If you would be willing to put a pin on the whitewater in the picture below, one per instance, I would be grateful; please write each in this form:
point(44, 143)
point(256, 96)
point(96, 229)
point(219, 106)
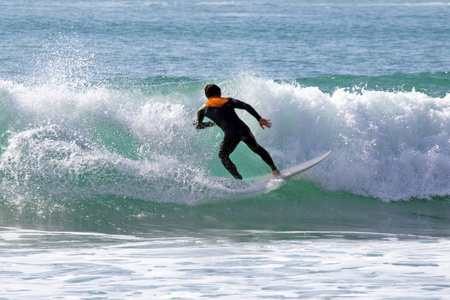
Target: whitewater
point(386, 145)
point(108, 192)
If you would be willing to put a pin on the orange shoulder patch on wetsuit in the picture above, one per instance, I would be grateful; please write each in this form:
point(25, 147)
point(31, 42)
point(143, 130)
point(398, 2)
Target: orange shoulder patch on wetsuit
point(216, 102)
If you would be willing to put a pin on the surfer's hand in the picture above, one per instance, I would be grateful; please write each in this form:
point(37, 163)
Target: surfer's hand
point(265, 122)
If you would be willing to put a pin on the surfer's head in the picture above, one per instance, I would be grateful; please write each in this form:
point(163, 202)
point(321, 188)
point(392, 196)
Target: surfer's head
point(212, 90)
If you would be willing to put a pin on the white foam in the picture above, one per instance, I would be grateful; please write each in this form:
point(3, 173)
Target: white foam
point(256, 264)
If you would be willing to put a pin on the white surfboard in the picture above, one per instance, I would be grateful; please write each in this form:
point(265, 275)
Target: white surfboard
point(289, 172)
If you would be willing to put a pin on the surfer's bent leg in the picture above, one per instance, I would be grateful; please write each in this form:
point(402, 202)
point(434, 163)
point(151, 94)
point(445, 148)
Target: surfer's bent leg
point(250, 140)
point(227, 146)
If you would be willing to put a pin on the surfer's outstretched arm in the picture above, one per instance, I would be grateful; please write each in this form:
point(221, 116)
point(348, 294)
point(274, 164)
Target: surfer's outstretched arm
point(199, 124)
point(242, 105)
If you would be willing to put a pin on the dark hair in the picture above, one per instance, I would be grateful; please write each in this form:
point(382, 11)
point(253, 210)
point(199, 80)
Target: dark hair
point(212, 90)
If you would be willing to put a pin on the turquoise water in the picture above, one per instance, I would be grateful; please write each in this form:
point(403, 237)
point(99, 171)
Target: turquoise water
point(107, 191)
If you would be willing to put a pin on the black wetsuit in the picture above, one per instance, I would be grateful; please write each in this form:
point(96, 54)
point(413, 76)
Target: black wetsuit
point(235, 131)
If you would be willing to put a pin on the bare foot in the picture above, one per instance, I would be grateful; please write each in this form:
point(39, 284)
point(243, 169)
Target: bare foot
point(276, 172)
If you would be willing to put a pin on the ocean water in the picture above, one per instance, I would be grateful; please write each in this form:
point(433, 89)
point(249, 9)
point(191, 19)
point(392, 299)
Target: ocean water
point(108, 192)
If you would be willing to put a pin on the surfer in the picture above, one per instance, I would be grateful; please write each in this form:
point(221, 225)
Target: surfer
point(221, 112)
